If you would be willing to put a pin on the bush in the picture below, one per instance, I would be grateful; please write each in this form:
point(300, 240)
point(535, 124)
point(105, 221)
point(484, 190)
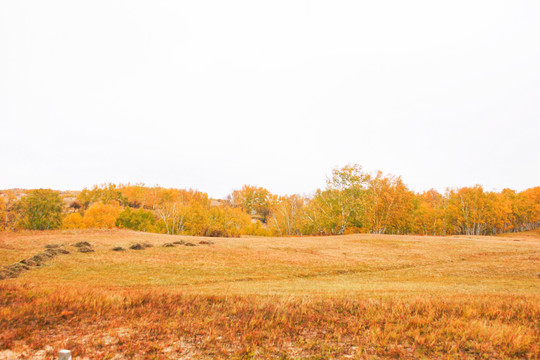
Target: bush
point(139, 220)
point(100, 216)
point(73, 221)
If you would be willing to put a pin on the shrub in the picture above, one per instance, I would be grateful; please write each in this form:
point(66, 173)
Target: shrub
point(139, 220)
point(100, 216)
point(73, 221)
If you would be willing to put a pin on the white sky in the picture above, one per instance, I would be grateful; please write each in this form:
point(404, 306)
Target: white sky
point(216, 94)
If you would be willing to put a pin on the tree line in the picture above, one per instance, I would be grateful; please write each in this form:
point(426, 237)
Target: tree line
point(353, 201)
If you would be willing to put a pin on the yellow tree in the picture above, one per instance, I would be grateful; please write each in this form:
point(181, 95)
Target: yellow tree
point(286, 214)
point(136, 196)
point(253, 200)
point(344, 203)
point(197, 218)
point(106, 193)
point(73, 221)
point(429, 214)
point(12, 213)
point(323, 214)
point(468, 210)
point(173, 207)
point(3, 212)
point(390, 205)
point(101, 216)
point(225, 221)
point(498, 213)
point(525, 209)
point(171, 210)
point(533, 200)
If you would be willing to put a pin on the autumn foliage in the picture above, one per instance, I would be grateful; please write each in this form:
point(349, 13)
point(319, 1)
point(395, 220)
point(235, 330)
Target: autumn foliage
point(353, 201)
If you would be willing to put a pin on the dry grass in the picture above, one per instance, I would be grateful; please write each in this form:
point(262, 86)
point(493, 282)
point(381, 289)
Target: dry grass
point(357, 296)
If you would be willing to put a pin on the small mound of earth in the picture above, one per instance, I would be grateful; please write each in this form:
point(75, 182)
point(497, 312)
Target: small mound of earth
point(17, 268)
point(136, 247)
point(50, 253)
point(168, 245)
point(86, 249)
point(179, 242)
point(189, 244)
point(118, 248)
point(38, 259)
point(206, 242)
point(14, 270)
point(30, 262)
point(146, 245)
point(82, 243)
point(52, 246)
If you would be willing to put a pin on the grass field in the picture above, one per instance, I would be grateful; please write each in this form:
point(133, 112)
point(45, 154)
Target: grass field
point(354, 296)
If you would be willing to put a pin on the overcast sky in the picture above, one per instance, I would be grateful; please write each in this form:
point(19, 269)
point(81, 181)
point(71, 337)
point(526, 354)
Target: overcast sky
point(216, 94)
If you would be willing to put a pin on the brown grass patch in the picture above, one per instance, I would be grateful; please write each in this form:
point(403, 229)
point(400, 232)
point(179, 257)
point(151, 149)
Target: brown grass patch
point(358, 296)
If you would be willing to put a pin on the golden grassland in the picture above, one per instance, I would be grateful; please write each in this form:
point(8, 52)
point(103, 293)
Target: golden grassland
point(353, 296)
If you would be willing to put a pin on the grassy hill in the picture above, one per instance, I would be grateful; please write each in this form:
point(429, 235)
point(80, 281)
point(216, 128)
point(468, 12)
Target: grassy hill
point(359, 296)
